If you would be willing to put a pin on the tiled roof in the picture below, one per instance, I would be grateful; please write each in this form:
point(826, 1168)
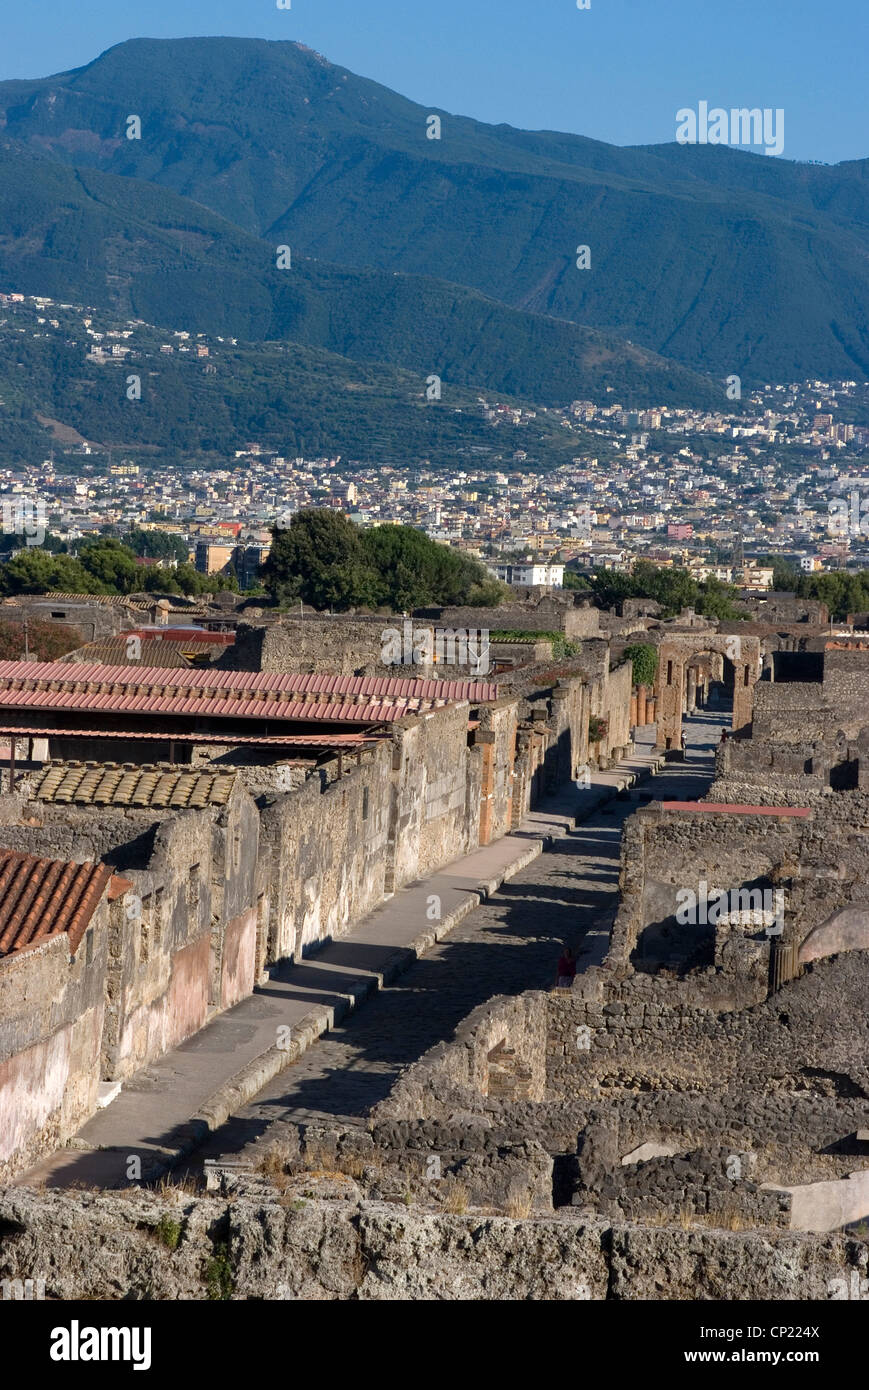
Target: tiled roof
point(236, 694)
point(115, 784)
point(113, 651)
point(182, 634)
point(40, 898)
point(107, 600)
point(284, 685)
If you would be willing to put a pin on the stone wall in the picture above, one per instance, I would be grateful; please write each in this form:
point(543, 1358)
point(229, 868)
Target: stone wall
point(160, 973)
point(677, 653)
point(547, 614)
point(378, 1251)
point(345, 646)
point(662, 855)
point(497, 741)
point(358, 645)
point(505, 1037)
point(846, 682)
point(89, 621)
point(333, 850)
point(216, 895)
point(774, 607)
point(808, 1024)
point(435, 815)
point(784, 711)
point(187, 938)
point(325, 855)
point(51, 1024)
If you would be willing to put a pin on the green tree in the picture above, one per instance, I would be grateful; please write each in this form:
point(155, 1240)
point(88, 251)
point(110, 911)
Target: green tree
point(843, 592)
point(611, 587)
point(719, 600)
point(36, 572)
point(158, 545)
point(412, 570)
point(319, 559)
point(112, 564)
point(673, 589)
point(577, 582)
point(158, 580)
point(785, 578)
point(488, 593)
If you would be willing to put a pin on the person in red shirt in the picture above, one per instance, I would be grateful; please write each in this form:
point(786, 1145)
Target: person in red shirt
point(566, 969)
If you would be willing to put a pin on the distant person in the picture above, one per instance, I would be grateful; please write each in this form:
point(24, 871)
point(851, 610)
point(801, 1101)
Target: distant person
point(566, 969)
point(684, 742)
point(723, 735)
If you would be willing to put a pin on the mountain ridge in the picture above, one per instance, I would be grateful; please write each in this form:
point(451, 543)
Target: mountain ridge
point(765, 262)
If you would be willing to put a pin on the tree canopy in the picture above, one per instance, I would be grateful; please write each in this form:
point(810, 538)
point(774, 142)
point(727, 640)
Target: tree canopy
point(104, 565)
point(323, 559)
point(673, 589)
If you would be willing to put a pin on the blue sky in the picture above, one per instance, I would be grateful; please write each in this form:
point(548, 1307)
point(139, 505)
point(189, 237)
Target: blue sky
point(618, 71)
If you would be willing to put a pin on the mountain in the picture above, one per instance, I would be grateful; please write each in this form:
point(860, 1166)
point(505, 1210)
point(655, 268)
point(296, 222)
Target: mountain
point(123, 244)
point(721, 259)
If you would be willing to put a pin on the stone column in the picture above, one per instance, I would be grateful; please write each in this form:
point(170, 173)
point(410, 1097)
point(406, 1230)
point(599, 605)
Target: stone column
point(691, 698)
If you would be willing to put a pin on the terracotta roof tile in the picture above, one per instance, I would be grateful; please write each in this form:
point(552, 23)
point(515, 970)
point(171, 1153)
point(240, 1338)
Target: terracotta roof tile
point(106, 600)
point(206, 692)
point(84, 784)
point(41, 898)
point(113, 651)
point(280, 684)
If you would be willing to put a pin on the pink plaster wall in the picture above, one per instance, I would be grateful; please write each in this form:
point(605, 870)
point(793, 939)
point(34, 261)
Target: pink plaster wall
point(238, 972)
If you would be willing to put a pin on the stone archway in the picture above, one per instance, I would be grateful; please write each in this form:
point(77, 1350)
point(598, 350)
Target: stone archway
point(677, 656)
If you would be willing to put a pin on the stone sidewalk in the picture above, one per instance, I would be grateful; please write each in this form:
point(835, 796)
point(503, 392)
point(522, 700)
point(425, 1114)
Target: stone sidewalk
point(169, 1108)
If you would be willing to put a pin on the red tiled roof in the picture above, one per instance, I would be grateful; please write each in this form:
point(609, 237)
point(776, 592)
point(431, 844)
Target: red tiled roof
point(233, 694)
point(40, 898)
point(280, 683)
point(82, 700)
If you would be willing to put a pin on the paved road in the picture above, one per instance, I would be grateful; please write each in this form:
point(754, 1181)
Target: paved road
point(510, 944)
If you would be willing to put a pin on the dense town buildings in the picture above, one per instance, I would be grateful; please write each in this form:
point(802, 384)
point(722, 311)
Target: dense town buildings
point(782, 473)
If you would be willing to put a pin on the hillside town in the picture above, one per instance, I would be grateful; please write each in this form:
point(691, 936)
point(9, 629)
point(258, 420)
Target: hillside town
point(782, 474)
